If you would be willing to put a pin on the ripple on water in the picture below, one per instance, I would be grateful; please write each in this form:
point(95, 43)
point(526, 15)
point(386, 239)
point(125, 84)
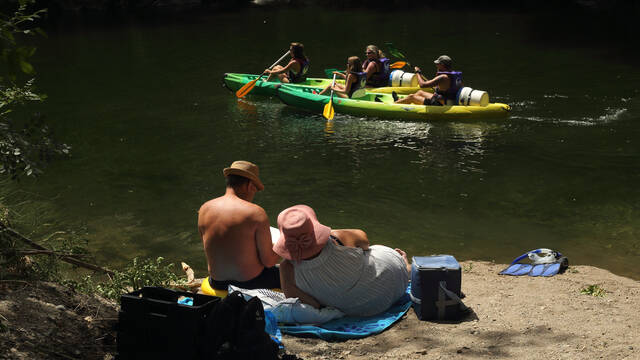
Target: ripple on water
point(583, 110)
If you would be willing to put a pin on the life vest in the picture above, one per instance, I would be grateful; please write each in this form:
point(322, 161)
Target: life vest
point(302, 75)
point(455, 84)
point(361, 82)
point(379, 78)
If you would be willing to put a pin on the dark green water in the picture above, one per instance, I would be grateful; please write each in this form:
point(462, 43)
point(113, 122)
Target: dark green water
point(152, 127)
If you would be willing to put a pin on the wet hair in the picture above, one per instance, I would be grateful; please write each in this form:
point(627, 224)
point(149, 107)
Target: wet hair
point(236, 181)
point(377, 51)
point(354, 64)
point(298, 50)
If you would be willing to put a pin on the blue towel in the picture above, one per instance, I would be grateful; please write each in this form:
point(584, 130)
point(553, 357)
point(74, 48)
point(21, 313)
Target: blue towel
point(352, 327)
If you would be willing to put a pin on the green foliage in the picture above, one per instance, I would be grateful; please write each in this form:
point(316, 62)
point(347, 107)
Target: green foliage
point(594, 290)
point(22, 150)
point(15, 57)
point(141, 273)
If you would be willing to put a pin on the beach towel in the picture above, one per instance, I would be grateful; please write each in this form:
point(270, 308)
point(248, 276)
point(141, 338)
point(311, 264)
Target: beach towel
point(351, 327)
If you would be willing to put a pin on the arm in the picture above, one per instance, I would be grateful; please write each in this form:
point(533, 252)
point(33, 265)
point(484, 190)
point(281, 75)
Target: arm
point(352, 238)
point(284, 69)
point(430, 83)
point(341, 74)
point(370, 70)
point(347, 85)
point(421, 78)
point(267, 256)
point(288, 284)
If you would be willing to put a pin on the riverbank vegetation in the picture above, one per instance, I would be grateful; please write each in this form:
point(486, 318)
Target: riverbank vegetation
point(26, 146)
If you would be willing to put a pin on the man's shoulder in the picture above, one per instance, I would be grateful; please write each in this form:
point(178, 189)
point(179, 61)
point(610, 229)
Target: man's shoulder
point(232, 204)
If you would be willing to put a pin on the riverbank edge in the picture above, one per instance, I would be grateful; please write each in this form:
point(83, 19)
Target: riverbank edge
point(520, 317)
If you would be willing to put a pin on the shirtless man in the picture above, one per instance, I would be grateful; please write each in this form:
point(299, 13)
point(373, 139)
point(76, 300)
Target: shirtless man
point(446, 84)
point(235, 234)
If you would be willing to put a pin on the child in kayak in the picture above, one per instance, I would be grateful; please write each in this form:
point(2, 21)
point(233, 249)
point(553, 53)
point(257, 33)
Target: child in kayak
point(376, 66)
point(355, 79)
point(296, 70)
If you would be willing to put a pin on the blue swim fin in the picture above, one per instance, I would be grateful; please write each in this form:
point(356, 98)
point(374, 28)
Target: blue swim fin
point(517, 269)
point(549, 269)
point(537, 270)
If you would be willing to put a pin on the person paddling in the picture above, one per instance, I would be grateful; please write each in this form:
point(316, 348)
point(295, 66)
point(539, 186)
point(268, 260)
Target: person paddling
point(355, 79)
point(296, 70)
point(446, 84)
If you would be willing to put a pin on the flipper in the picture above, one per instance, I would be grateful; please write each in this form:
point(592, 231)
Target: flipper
point(551, 269)
point(537, 270)
point(546, 269)
point(517, 269)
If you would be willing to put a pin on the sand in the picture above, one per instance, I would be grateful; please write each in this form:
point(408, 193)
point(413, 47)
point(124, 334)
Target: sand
point(513, 317)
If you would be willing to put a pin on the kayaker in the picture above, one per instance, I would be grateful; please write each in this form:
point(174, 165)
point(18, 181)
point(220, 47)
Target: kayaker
point(338, 268)
point(235, 233)
point(376, 66)
point(296, 70)
point(355, 79)
point(446, 84)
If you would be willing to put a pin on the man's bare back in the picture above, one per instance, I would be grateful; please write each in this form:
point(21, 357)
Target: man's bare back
point(235, 235)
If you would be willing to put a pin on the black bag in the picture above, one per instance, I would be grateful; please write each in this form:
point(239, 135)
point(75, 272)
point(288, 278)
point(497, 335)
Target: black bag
point(236, 330)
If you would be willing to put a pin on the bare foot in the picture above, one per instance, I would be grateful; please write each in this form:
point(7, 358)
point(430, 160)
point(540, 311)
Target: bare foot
point(404, 257)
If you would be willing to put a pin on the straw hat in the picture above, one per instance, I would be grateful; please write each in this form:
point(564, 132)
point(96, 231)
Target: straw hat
point(245, 169)
point(301, 235)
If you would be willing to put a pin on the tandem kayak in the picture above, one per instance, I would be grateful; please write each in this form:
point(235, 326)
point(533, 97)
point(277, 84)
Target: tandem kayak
point(381, 105)
point(234, 81)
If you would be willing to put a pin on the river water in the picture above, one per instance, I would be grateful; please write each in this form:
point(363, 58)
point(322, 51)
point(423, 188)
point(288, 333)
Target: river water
point(151, 129)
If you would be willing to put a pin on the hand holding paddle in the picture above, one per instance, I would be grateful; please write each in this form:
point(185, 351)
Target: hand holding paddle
point(328, 111)
point(244, 90)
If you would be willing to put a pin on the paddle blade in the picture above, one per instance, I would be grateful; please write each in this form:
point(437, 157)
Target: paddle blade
point(328, 111)
point(246, 88)
point(398, 65)
point(394, 51)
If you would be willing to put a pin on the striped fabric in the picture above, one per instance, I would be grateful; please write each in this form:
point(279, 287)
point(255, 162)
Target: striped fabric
point(357, 282)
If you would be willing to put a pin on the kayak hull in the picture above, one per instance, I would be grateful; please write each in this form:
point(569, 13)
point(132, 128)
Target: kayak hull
point(381, 105)
point(234, 81)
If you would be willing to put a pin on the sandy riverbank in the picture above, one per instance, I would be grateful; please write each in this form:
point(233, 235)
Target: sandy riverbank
point(514, 317)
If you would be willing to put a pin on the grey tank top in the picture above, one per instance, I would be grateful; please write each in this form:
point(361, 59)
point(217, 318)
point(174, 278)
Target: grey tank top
point(356, 282)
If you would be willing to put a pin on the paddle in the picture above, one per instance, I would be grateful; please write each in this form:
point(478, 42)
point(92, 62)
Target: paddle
point(396, 53)
point(398, 65)
point(246, 88)
point(328, 111)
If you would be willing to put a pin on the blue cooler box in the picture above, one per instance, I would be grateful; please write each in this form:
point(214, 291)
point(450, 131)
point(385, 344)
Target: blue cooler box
point(429, 301)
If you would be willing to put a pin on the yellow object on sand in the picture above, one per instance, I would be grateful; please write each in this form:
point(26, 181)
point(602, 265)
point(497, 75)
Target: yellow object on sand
point(208, 290)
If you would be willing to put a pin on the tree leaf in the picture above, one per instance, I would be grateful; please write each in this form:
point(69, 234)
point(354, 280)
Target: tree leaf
point(26, 67)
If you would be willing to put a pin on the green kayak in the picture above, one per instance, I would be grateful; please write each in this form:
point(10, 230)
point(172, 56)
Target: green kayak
point(234, 81)
point(381, 105)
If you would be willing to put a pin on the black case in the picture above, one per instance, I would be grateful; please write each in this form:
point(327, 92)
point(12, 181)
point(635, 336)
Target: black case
point(426, 274)
point(151, 324)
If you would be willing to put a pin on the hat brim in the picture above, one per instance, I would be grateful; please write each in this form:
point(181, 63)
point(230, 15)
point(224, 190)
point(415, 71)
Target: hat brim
point(234, 171)
point(321, 234)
